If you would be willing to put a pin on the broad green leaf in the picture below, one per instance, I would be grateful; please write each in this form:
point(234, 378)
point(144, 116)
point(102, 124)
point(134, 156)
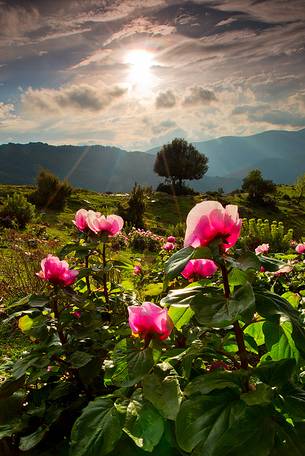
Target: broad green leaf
point(292, 298)
point(180, 315)
point(222, 425)
point(163, 393)
point(80, 359)
point(214, 310)
point(97, 430)
point(176, 263)
point(237, 277)
point(204, 384)
point(271, 306)
point(289, 439)
point(275, 373)
point(129, 363)
point(143, 424)
point(25, 323)
point(30, 441)
point(262, 394)
point(153, 289)
point(293, 401)
point(279, 341)
point(9, 387)
point(270, 264)
point(255, 330)
point(247, 261)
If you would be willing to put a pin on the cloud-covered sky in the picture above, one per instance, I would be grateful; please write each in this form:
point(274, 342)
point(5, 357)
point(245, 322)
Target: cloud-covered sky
point(137, 73)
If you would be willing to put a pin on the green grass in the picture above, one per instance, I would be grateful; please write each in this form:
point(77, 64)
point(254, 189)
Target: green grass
point(12, 344)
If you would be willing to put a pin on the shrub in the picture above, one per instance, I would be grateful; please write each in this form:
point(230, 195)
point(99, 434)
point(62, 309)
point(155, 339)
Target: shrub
point(134, 212)
point(16, 211)
point(177, 190)
point(144, 240)
point(255, 232)
point(51, 192)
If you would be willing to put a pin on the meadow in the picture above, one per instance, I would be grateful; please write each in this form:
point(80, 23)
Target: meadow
point(82, 372)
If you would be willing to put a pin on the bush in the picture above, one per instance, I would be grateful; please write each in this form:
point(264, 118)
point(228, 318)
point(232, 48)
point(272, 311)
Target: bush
point(16, 212)
point(175, 190)
point(134, 212)
point(51, 192)
point(255, 232)
point(144, 240)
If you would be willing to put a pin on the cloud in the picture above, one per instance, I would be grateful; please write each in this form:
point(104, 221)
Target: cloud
point(6, 111)
point(75, 98)
point(163, 127)
point(16, 20)
point(198, 95)
point(96, 57)
point(141, 25)
point(165, 100)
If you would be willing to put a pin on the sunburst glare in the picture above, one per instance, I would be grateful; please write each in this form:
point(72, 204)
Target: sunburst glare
point(140, 75)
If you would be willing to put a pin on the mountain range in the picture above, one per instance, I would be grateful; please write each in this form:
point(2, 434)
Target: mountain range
point(279, 154)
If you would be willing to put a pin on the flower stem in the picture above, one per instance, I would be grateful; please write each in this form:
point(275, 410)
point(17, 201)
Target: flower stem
point(104, 274)
point(87, 277)
point(60, 331)
point(237, 329)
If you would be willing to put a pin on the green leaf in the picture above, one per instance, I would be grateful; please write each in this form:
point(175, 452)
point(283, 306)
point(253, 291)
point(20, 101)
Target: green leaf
point(271, 306)
point(262, 394)
point(222, 425)
point(276, 373)
point(9, 387)
point(143, 424)
point(80, 359)
point(214, 310)
point(255, 330)
point(97, 430)
point(176, 263)
point(129, 363)
point(270, 264)
point(180, 315)
point(292, 298)
point(279, 340)
point(293, 401)
point(164, 394)
point(247, 261)
point(30, 441)
point(237, 277)
point(204, 384)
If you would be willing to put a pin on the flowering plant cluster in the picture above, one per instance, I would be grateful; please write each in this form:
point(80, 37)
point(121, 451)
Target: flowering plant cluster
point(140, 239)
point(213, 366)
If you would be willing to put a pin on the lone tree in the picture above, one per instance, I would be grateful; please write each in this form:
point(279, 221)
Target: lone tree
point(180, 160)
point(256, 186)
point(300, 187)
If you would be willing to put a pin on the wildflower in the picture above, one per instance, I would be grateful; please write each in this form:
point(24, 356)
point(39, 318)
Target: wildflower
point(57, 272)
point(168, 246)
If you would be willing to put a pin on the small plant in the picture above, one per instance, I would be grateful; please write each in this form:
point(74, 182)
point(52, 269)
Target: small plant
point(141, 240)
point(51, 192)
point(16, 211)
point(260, 231)
point(133, 214)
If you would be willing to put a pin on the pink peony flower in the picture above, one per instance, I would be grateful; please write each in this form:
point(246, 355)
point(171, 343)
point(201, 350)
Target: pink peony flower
point(300, 248)
point(149, 320)
point(199, 268)
point(137, 270)
point(110, 225)
point(262, 269)
point(210, 220)
point(168, 246)
point(263, 248)
point(56, 271)
point(171, 239)
point(80, 220)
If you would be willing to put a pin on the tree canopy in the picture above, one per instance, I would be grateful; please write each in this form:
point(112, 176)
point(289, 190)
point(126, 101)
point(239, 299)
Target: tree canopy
point(256, 186)
point(180, 160)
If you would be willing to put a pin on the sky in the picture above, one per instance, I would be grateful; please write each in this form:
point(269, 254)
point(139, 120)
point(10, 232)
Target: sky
point(137, 73)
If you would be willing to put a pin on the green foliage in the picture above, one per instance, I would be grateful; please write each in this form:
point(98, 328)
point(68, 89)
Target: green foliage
point(51, 193)
point(16, 211)
point(300, 187)
point(136, 206)
point(257, 231)
point(180, 160)
point(227, 381)
point(257, 187)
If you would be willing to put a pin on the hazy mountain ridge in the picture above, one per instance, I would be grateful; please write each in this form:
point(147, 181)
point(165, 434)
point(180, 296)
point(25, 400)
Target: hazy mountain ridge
point(279, 154)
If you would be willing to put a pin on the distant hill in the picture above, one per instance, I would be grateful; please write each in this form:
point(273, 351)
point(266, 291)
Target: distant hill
point(279, 154)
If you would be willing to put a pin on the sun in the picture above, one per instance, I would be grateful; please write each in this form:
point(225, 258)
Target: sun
point(140, 74)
